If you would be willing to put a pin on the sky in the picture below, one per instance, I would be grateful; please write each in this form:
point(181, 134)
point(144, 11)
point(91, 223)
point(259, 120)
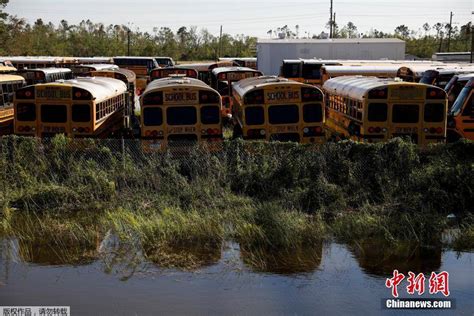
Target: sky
point(249, 17)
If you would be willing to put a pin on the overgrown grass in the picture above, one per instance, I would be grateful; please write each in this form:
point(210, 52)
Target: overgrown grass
point(274, 199)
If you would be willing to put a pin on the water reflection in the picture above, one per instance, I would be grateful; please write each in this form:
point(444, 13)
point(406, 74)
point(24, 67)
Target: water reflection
point(57, 251)
point(288, 261)
point(380, 258)
point(186, 257)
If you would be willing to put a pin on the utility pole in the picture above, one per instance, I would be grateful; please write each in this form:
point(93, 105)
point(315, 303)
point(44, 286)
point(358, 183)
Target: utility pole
point(128, 41)
point(330, 21)
point(220, 44)
point(472, 38)
point(472, 41)
point(450, 27)
point(334, 25)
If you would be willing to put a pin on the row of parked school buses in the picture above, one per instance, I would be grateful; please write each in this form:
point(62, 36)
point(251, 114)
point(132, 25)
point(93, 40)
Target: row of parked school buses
point(191, 102)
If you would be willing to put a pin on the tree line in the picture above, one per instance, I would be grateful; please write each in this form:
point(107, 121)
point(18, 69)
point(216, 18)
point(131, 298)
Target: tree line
point(87, 38)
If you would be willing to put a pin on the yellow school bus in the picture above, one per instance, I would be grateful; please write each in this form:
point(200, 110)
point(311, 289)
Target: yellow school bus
point(305, 70)
point(4, 69)
point(84, 107)
point(8, 85)
point(222, 79)
point(141, 66)
point(275, 108)
point(249, 62)
point(204, 69)
point(170, 71)
point(179, 110)
point(373, 109)
point(129, 78)
point(84, 70)
point(461, 115)
point(45, 75)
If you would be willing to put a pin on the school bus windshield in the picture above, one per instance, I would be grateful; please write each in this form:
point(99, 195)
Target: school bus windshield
point(461, 99)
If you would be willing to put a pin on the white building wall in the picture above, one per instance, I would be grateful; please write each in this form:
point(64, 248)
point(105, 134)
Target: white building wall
point(270, 55)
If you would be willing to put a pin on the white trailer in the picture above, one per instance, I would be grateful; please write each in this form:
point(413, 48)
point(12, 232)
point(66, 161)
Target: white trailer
point(271, 52)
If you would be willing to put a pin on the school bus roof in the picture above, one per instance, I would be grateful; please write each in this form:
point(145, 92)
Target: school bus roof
point(292, 61)
point(246, 85)
point(238, 58)
point(7, 69)
point(453, 71)
point(419, 70)
point(134, 57)
point(207, 66)
point(99, 66)
point(52, 70)
point(96, 60)
point(101, 88)
point(130, 75)
point(219, 70)
point(33, 59)
point(356, 87)
point(466, 76)
point(176, 81)
point(361, 69)
point(5, 78)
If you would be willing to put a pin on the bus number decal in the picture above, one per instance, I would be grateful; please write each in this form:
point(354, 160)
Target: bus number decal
point(283, 96)
point(54, 93)
point(180, 97)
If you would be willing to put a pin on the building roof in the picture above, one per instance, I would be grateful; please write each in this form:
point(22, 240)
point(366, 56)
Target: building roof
point(327, 41)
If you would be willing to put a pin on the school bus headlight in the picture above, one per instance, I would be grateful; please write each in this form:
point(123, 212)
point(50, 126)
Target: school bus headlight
point(74, 129)
point(262, 132)
point(203, 132)
point(384, 130)
point(33, 129)
point(305, 130)
point(425, 130)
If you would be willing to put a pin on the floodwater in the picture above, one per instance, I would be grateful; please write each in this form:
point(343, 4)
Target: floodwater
point(333, 278)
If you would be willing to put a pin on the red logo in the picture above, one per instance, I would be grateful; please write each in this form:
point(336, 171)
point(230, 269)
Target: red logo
point(438, 282)
point(394, 282)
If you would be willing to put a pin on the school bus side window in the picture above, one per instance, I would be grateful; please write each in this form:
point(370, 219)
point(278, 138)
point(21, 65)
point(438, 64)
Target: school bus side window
point(468, 109)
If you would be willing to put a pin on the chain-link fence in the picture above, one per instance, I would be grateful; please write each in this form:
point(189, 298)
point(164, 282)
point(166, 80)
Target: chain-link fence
point(331, 177)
